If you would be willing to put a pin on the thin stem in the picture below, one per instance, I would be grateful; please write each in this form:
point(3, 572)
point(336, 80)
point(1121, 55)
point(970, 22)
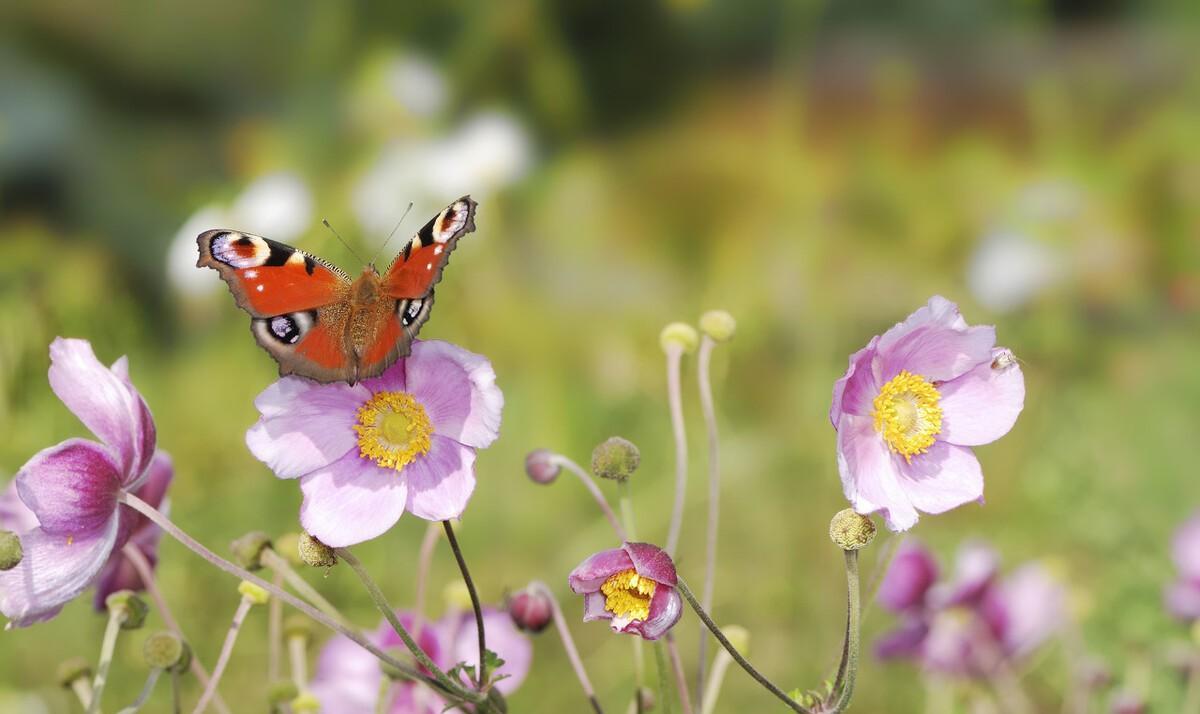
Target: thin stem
point(147, 689)
point(274, 631)
point(714, 503)
point(176, 701)
point(564, 633)
point(590, 484)
point(712, 688)
point(116, 617)
point(280, 565)
point(83, 691)
point(675, 398)
point(424, 562)
point(664, 689)
point(737, 657)
point(681, 684)
point(466, 576)
point(239, 617)
point(843, 686)
point(297, 646)
point(639, 655)
point(354, 635)
point(146, 572)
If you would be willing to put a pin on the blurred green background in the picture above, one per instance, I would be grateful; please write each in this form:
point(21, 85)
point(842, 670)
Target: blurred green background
point(816, 168)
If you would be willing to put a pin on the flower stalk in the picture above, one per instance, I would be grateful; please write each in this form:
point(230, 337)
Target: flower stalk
point(704, 360)
point(481, 673)
point(681, 684)
point(590, 484)
point(274, 631)
point(147, 690)
point(674, 397)
point(564, 632)
point(280, 565)
point(116, 619)
point(424, 562)
point(843, 684)
point(235, 626)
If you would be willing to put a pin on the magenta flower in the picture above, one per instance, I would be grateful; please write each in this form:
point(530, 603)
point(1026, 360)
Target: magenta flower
point(910, 405)
point(633, 586)
point(1183, 596)
point(72, 488)
point(365, 454)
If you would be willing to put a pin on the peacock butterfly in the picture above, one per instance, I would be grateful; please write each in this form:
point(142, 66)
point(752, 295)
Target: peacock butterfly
point(318, 323)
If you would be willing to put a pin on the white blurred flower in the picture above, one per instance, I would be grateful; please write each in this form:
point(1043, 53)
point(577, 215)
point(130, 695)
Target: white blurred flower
point(1009, 268)
point(181, 257)
point(416, 84)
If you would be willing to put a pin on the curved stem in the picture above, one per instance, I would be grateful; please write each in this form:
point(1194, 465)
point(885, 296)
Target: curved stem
point(712, 688)
point(843, 686)
point(685, 700)
point(674, 397)
point(564, 632)
point(737, 657)
point(239, 617)
point(280, 565)
point(714, 503)
point(590, 484)
point(147, 689)
point(116, 617)
point(466, 576)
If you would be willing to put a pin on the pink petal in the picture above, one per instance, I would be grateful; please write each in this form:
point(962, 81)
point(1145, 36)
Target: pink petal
point(666, 607)
point(15, 516)
point(908, 578)
point(1183, 600)
point(1036, 604)
point(440, 483)
point(393, 379)
point(652, 562)
point(870, 477)
point(458, 390)
point(856, 390)
point(943, 478)
point(305, 426)
point(589, 575)
point(71, 487)
point(975, 569)
point(982, 405)
point(1185, 548)
point(938, 353)
point(105, 402)
point(352, 500)
point(904, 641)
point(502, 637)
point(593, 607)
point(938, 311)
point(347, 678)
point(55, 569)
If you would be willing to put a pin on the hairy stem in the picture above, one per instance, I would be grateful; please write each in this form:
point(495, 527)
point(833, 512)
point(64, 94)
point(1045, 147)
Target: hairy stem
point(590, 484)
point(239, 617)
point(843, 685)
point(675, 398)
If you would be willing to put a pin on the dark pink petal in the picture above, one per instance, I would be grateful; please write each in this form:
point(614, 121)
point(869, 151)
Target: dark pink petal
point(903, 642)
point(652, 562)
point(1185, 548)
point(71, 487)
point(588, 576)
point(938, 353)
point(55, 569)
point(440, 483)
point(352, 500)
point(943, 478)
point(393, 379)
point(938, 311)
point(105, 402)
point(458, 390)
point(908, 578)
point(15, 516)
point(666, 607)
point(857, 388)
point(983, 404)
point(118, 573)
point(975, 569)
point(347, 677)
point(870, 476)
point(432, 637)
point(1036, 607)
point(1183, 599)
point(305, 426)
point(503, 638)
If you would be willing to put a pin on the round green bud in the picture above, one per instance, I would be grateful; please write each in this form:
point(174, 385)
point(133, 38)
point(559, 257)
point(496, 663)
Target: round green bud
point(288, 545)
point(739, 637)
point(315, 553)
point(247, 550)
point(298, 626)
point(166, 650)
point(282, 691)
point(306, 702)
point(615, 459)
point(253, 592)
point(10, 550)
point(73, 669)
point(132, 608)
point(850, 530)
point(718, 325)
point(679, 335)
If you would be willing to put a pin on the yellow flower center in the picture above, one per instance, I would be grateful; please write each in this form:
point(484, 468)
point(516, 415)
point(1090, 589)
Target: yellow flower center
point(907, 414)
point(627, 595)
point(393, 430)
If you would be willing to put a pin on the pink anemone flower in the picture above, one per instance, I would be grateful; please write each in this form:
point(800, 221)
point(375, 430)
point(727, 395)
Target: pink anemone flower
point(72, 489)
point(633, 586)
point(910, 406)
point(365, 454)
point(1183, 596)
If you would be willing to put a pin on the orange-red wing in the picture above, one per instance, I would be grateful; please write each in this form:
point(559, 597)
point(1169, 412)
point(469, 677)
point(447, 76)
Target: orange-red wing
point(418, 268)
point(268, 278)
point(323, 347)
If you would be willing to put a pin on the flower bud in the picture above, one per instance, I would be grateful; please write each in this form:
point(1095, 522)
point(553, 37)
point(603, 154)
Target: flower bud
point(298, 626)
point(718, 325)
point(73, 669)
point(679, 335)
point(10, 550)
point(530, 609)
point(315, 553)
point(247, 550)
point(541, 467)
point(306, 703)
point(739, 637)
point(457, 596)
point(850, 530)
point(166, 650)
point(282, 691)
point(253, 592)
point(132, 609)
point(615, 459)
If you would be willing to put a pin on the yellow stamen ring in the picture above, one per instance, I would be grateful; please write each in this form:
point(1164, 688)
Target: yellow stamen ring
point(907, 414)
point(393, 430)
point(627, 595)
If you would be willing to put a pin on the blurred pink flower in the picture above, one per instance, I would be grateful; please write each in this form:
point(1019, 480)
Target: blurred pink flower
point(72, 489)
point(633, 586)
point(365, 454)
point(1183, 596)
point(910, 405)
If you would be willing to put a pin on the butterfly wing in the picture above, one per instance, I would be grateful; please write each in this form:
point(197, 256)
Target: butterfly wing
point(298, 304)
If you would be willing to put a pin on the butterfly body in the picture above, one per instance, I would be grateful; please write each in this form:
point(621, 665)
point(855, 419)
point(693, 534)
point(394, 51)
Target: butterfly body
point(318, 323)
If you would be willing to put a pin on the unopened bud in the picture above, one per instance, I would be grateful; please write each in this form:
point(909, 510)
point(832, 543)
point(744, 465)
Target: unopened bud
point(306, 702)
point(253, 592)
point(456, 595)
point(131, 608)
point(315, 553)
point(850, 530)
point(282, 691)
point(247, 550)
point(718, 325)
point(541, 466)
point(739, 637)
point(298, 626)
point(288, 545)
point(530, 609)
point(73, 669)
point(166, 650)
point(679, 335)
point(10, 550)
point(615, 459)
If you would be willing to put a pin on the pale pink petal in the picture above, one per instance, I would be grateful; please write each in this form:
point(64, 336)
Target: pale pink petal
point(502, 637)
point(1035, 604)
point(1185, 548)
point(975, 569)
point(666, 607)
point(347, 678)
point(856, 389)
point(350, 501)
point(72, 487)
point(589, 575)
point(912, 572)
point(458, 390)
point(938, 353)
point(982, 405)
point(870, 477)
point(15, 516)
point(440, 482)
point(943, 478)
point(593, 607)
point(1183, 599)
point(652, 562)
point(938, 311)
point(54, 570)
point(305, 426)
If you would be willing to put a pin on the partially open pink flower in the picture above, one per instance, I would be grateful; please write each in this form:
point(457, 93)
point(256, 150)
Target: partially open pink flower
point(633, 586)
point(72, 488)
point(1183, 596)
point(365, 454)
point(910, 405)
point(118, 572)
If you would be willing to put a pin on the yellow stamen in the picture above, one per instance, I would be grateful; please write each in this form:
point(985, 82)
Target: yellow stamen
point(393, 430)
point(907, 414)
point(627, 595)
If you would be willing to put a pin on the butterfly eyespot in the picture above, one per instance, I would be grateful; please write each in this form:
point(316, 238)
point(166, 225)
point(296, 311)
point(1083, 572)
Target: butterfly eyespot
point(239, 251)
point(286, 329)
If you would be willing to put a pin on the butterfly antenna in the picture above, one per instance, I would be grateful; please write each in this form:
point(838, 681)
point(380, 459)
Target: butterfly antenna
point(343, 240)
point(393, 233)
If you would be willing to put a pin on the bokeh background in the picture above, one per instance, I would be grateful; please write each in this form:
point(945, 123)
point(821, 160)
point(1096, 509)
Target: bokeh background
point(816, 168)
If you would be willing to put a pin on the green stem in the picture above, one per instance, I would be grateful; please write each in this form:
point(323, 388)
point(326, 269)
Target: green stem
point(843, 686)
point(714, 502)
point(675, 401)
point(239, 617)
point(664, 688)
point(466, 576)
point(138, 703)
point(116, 617)
point(274, 631)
